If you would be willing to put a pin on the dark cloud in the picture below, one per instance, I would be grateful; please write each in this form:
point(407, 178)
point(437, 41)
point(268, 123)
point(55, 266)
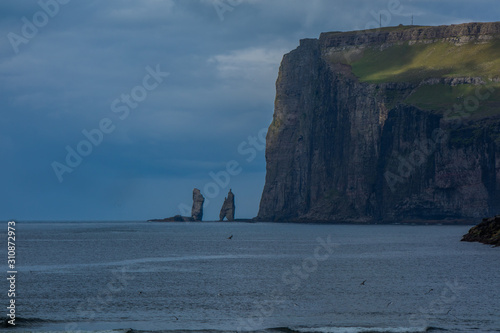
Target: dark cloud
point(219, 92)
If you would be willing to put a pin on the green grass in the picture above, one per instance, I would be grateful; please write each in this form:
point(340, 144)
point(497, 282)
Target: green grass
point(419, 61)
point(400, 27)
point(476, 101)
point(412, 63)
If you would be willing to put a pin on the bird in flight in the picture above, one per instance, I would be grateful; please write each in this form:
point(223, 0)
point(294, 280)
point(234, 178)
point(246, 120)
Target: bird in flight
point(230, 237)
point(363, 283)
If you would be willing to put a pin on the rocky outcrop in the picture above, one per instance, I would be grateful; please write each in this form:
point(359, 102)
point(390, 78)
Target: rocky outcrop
point(176, 218)
point(197, 209)
point(460, 33)
point(486, 232)
point(228, 208)
point(340, 149)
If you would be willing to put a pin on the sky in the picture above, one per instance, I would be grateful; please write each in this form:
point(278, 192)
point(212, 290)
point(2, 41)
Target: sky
point(117, 109)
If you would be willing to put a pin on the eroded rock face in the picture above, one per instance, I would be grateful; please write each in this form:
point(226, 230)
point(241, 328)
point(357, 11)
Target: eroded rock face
point(228, 208)
point(197, 209)
point(176, 218)
point(487, 232)
point(343, 150)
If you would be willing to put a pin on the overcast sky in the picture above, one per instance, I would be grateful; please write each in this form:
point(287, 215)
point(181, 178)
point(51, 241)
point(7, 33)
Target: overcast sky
point(117, 109)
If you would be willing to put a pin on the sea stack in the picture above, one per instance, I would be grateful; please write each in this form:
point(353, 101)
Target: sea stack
point(227, 209)
point(197, 210)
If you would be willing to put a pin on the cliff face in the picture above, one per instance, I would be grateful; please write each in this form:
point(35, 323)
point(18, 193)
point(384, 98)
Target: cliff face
point(343, 147)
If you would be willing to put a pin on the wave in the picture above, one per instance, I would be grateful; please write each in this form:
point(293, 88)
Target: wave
point(330, 329)
point(337, 329)
point(27, 322)
point(21, 321)
point(142, 261)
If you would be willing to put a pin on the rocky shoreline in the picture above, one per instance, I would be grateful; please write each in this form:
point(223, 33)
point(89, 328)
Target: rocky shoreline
point(486, 232)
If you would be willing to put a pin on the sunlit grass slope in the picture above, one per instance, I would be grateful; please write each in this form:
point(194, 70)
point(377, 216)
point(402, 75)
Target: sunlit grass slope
point(419, 61)
point(415, 62)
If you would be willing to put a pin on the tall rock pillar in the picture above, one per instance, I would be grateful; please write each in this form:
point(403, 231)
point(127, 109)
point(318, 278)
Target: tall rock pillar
point(228, 207)
point(197, 210)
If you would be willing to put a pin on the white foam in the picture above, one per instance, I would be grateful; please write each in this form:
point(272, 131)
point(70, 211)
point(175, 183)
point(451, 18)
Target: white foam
point(362, 330)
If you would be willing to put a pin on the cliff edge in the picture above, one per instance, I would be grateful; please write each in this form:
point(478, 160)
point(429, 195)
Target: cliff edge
point(391, 124)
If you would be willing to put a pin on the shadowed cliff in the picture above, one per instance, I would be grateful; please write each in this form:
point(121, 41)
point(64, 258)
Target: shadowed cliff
point(395, 124)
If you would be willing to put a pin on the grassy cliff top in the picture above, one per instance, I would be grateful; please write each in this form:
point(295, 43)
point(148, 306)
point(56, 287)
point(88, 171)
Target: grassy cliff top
point(417, 54)
point(400, 27)
point(414, 62)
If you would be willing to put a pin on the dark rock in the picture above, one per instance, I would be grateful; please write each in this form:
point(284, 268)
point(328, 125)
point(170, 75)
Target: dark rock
point(197, 210)
point(338, 149)
point(455, 33)
point(486, 232)
point(176, 218)
point(228, 208)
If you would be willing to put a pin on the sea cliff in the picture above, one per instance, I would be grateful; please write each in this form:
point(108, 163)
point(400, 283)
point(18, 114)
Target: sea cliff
point(393, 124)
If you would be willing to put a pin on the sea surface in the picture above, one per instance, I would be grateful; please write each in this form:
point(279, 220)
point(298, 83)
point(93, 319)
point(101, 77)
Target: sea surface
point(230, 277)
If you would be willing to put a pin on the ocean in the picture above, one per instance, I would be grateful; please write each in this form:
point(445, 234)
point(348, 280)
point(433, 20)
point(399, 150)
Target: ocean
point(244, 277)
